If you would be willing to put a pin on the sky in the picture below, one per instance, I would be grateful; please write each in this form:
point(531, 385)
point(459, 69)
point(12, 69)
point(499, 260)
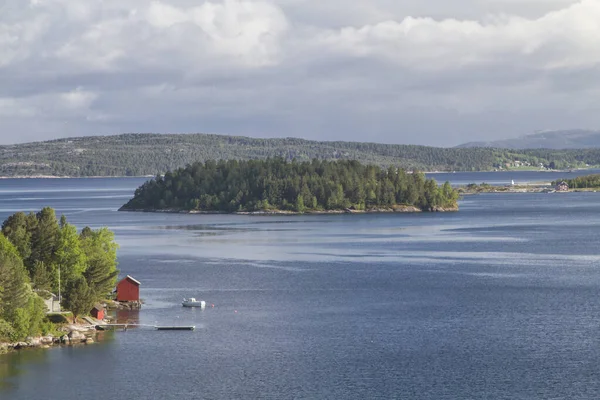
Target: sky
point(432, 72)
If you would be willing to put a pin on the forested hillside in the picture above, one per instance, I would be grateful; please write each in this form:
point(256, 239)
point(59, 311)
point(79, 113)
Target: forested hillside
point(274, 184)
point(150, 154)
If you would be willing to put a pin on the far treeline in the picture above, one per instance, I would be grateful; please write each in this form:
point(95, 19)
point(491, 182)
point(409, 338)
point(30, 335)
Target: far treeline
point(582, 182)
point(274, 184)
point(35, 249)
point(151, 154)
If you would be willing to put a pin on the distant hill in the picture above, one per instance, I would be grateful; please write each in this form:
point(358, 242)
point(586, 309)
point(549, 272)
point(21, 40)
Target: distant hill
point(151, 154)
point(569, 139)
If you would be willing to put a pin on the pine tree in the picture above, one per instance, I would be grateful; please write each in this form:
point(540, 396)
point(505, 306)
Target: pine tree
point(78, 298)
point(44, 239)
point(42, 279)
point(14, 282)
point(15, 228)
point(101, 253)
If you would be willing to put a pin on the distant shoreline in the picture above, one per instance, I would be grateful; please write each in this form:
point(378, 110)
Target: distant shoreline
point(69, 177)
point(566, 171)
point(395, 210)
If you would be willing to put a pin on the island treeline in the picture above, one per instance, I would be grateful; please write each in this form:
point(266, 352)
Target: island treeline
point(274, 184)
point(582, 182)
point(151, 154)
point(36, 250)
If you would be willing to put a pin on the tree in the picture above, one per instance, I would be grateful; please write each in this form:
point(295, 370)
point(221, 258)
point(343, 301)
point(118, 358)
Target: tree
point(22, 311)
point(78, 298)
point(43, 241)
point(19, 305)
point(101, 253)
point(14, 280)
point(276, 184)
point(15, 228)
point(42, 279)
point(69, 256)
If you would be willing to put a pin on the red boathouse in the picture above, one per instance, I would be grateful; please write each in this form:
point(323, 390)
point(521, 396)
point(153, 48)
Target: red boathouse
point(98, 312)
point(128, 289)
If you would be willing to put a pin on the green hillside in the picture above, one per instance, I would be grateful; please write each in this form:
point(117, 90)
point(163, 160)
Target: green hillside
point(149, 154)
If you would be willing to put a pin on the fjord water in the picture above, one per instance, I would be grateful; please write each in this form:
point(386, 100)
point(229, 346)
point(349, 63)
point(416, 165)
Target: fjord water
point(499, 300)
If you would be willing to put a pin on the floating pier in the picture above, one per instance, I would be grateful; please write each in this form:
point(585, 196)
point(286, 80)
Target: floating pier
point(105, 327)
point(175, 328)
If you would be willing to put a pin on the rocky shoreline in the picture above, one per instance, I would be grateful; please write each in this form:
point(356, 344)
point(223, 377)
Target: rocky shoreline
point(71, 335)
point(395, 209)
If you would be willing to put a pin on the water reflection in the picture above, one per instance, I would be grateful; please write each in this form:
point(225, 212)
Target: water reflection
point(127, 316)
point(12, 365)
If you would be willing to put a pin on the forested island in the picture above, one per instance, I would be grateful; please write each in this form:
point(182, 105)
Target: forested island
point(275, 185)
point(151, 154)
point(37, 254)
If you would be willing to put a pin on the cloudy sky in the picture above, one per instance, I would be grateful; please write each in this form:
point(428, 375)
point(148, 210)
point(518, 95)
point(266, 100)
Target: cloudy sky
point(435, 72)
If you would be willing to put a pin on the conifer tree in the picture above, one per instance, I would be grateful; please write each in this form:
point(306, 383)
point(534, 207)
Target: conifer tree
point(79, 298)
point(101, 253)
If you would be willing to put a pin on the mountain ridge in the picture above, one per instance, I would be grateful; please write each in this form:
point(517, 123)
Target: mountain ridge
point(150, 154)
point(556, 139)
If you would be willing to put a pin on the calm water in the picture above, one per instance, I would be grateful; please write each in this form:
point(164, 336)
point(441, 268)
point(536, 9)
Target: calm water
point(498, 301)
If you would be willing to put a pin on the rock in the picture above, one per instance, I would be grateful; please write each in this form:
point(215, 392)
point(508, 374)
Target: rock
point(65, 339)
point(89, 340)
point(76, 336)
point(34, 342)
point(47, 339)
point(20, 345)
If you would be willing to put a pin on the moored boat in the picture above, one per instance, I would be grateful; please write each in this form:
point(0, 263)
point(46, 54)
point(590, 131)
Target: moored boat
point(192, 302)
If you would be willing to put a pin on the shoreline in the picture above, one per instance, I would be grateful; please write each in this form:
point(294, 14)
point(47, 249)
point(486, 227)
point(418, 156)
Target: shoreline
point(71, 177)
point(532, 188)
point(152, 176)
point(395, 209)
point(72, 335)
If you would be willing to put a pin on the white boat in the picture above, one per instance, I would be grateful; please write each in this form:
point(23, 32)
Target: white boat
point(192, 302)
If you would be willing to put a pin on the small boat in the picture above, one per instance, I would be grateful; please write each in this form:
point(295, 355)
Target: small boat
point(192, 302)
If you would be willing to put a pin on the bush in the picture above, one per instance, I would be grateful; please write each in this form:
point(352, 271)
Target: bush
point(6, 331)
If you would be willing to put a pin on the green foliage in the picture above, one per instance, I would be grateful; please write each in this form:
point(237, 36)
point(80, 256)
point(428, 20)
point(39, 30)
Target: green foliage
point(100, 250)
point(44, 239)
point(149, 154)
point(79, 297)
point(36, 310)
point(7, 332)
point(42, 280)
point(69, 256)
point(15, 228)
point(297, 186)
point(582, 182)
point(87, 263)
point(14, 282)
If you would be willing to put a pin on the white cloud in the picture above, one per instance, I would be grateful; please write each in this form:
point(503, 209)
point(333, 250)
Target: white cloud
point(78, 99)
point(363, 70)
point(563, 38)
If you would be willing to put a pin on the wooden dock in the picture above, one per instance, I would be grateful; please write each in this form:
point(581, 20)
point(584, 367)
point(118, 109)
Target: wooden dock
point(105, 327)
point(175, 328)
